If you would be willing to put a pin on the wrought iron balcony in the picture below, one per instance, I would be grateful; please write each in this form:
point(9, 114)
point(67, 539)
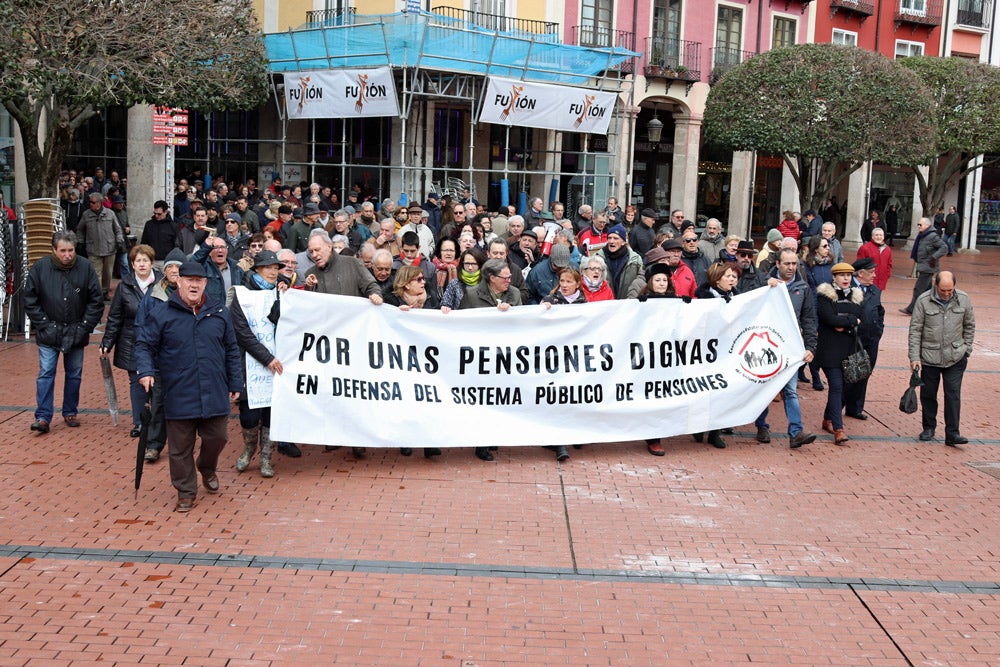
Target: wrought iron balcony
point(975, 13)
point(668, 58)
point(865, 9)
point(724, 60)
point(919, 12)
point(497, 22)
point(604, 38)
point(328, 18)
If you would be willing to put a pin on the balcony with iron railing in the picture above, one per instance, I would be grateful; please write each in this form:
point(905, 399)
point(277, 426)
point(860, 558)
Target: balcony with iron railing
point(669, 58)
point(330, 18)
point(497, 22)
point(602, 37)
point(724, 59)
point(919, 12)
point(864, 9)
point(975, 13)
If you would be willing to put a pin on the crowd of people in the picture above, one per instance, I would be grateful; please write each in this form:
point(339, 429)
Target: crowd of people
point(176, 301)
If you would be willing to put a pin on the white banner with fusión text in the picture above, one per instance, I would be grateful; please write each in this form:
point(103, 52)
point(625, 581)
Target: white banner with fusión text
point(361, 375)
point(342, 93)
point(566, 108)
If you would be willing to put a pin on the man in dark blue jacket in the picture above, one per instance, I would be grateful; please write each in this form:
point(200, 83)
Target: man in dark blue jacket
point(189, 339)
point(870, 332)
point(223, 271)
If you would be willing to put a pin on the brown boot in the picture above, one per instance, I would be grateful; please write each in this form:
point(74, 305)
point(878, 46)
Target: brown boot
point(828, 426)
point(840, 437)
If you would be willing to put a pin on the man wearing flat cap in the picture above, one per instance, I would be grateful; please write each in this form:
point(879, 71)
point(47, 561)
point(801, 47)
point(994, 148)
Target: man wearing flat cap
point(415, 223)
point(642, 235)
point(189, 339)
point(298, 235)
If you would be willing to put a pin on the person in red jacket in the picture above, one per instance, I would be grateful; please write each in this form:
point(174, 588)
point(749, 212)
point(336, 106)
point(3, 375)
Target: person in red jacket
point(789, 226)
point(881, 254)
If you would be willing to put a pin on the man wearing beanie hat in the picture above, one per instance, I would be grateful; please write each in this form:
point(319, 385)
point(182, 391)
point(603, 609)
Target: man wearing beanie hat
point(869, 332)
point(196, 396)
point(544, 276)
point(624, 264)
point(769, 252)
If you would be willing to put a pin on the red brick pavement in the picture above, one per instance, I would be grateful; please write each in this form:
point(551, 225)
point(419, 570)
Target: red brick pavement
point(885, 508)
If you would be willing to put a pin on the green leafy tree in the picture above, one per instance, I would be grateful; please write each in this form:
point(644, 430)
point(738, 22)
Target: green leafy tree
point(966, 115)
point(826, 109)
point(65, 60)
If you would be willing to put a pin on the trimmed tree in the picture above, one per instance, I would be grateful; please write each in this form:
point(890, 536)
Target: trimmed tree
point(966, 115)
point(826, 109)
point(65, 60)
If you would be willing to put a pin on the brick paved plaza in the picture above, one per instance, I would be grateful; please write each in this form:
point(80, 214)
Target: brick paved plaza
point(885, 552)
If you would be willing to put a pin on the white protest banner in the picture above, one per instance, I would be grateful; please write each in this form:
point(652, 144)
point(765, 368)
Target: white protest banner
point(256, 306)
point(361, 375)
point(566, 108)
point(341, 93)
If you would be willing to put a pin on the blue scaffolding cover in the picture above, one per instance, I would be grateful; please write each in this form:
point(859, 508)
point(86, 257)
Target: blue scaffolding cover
point(433, 41)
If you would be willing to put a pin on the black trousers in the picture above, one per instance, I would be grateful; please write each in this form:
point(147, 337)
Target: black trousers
point(855, 394)
point(952, 377)
point(924, 282)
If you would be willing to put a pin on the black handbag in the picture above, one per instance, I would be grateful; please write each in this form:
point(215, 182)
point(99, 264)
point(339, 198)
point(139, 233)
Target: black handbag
point(908, 403)
point(857, 366)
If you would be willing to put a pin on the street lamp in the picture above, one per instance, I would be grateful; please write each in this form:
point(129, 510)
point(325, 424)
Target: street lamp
point(654, 128)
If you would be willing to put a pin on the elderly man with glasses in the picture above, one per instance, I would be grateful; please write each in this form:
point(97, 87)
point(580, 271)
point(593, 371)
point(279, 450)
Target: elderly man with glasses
point(102, 236)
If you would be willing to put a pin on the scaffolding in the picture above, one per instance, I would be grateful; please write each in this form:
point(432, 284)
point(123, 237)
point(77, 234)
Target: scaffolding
point(444, 59)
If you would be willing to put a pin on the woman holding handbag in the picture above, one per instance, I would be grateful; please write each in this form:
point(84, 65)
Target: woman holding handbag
point(838, 310)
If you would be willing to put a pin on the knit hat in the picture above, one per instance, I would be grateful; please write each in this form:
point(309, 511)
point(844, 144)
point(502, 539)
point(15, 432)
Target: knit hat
point(655, 269)
point(618, 230)
point(175, 256)
point(774, 236)
point(235, 217)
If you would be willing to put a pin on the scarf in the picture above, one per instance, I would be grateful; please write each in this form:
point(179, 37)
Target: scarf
point(574, 297)
point(411, 262)
point(144, 285)
point(719, 294)
point(470, 279)
point(821, 261)
point(592, 285)
point(616, 263)
point(260, 282)
point(916, 242)
point(57, 263)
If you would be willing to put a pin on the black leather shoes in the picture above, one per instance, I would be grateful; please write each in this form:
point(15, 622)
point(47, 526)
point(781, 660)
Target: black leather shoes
point(927, 435)
point(860, 417)
point(134, 433)
point(957, 440)
point(405, 451)
point(289, 449)
point(40, 425)
point(483, 454)
point(431, 451)
point(211, 483)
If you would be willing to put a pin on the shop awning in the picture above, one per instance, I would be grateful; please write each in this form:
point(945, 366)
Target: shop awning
point(432, 41)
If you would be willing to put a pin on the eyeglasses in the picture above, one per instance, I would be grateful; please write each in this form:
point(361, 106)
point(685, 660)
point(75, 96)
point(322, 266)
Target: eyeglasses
point(418, 279)
point(745, 254)
point(506, 278)
point(290, 263)
point(690, 240)
point(595, 268)
point(470, 265)
point(680, 217)
point(256, 245)
point(824, 245)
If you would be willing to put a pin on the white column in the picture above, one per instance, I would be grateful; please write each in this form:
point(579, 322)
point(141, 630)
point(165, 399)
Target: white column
point(740, 192)
point(789, 190)
point(684, 180)
point(916, 211)
point(147, 179)
point(857, 205)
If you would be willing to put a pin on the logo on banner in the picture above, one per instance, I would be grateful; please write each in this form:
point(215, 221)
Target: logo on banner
point(515, 100)
point(586, 110)
point(759, 354)
point(305, 92)
point(364, 91)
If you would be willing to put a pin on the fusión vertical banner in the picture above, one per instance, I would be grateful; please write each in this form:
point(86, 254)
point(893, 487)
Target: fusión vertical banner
point(342, 93)
point(361, 375)
point(565, 108)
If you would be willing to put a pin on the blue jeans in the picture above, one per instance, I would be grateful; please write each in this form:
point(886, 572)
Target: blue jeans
point(792, 410)
point(950, 240)
point(48, 357)
point(835, 396)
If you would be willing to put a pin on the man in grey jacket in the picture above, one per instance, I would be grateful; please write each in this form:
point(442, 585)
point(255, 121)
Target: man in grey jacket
point(101, 234)
point(940, 342)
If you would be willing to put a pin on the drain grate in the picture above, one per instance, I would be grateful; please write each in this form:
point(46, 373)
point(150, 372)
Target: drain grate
point(991, 468)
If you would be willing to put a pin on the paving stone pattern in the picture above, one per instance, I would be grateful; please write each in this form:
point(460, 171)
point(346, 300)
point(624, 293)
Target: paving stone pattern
point(885, 552)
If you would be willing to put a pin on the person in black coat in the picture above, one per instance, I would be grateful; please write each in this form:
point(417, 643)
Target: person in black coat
point(838, 311)
point(63, 300)
point(256, 422)
point(869, 331)
point(162, 233)
point(119, 333)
